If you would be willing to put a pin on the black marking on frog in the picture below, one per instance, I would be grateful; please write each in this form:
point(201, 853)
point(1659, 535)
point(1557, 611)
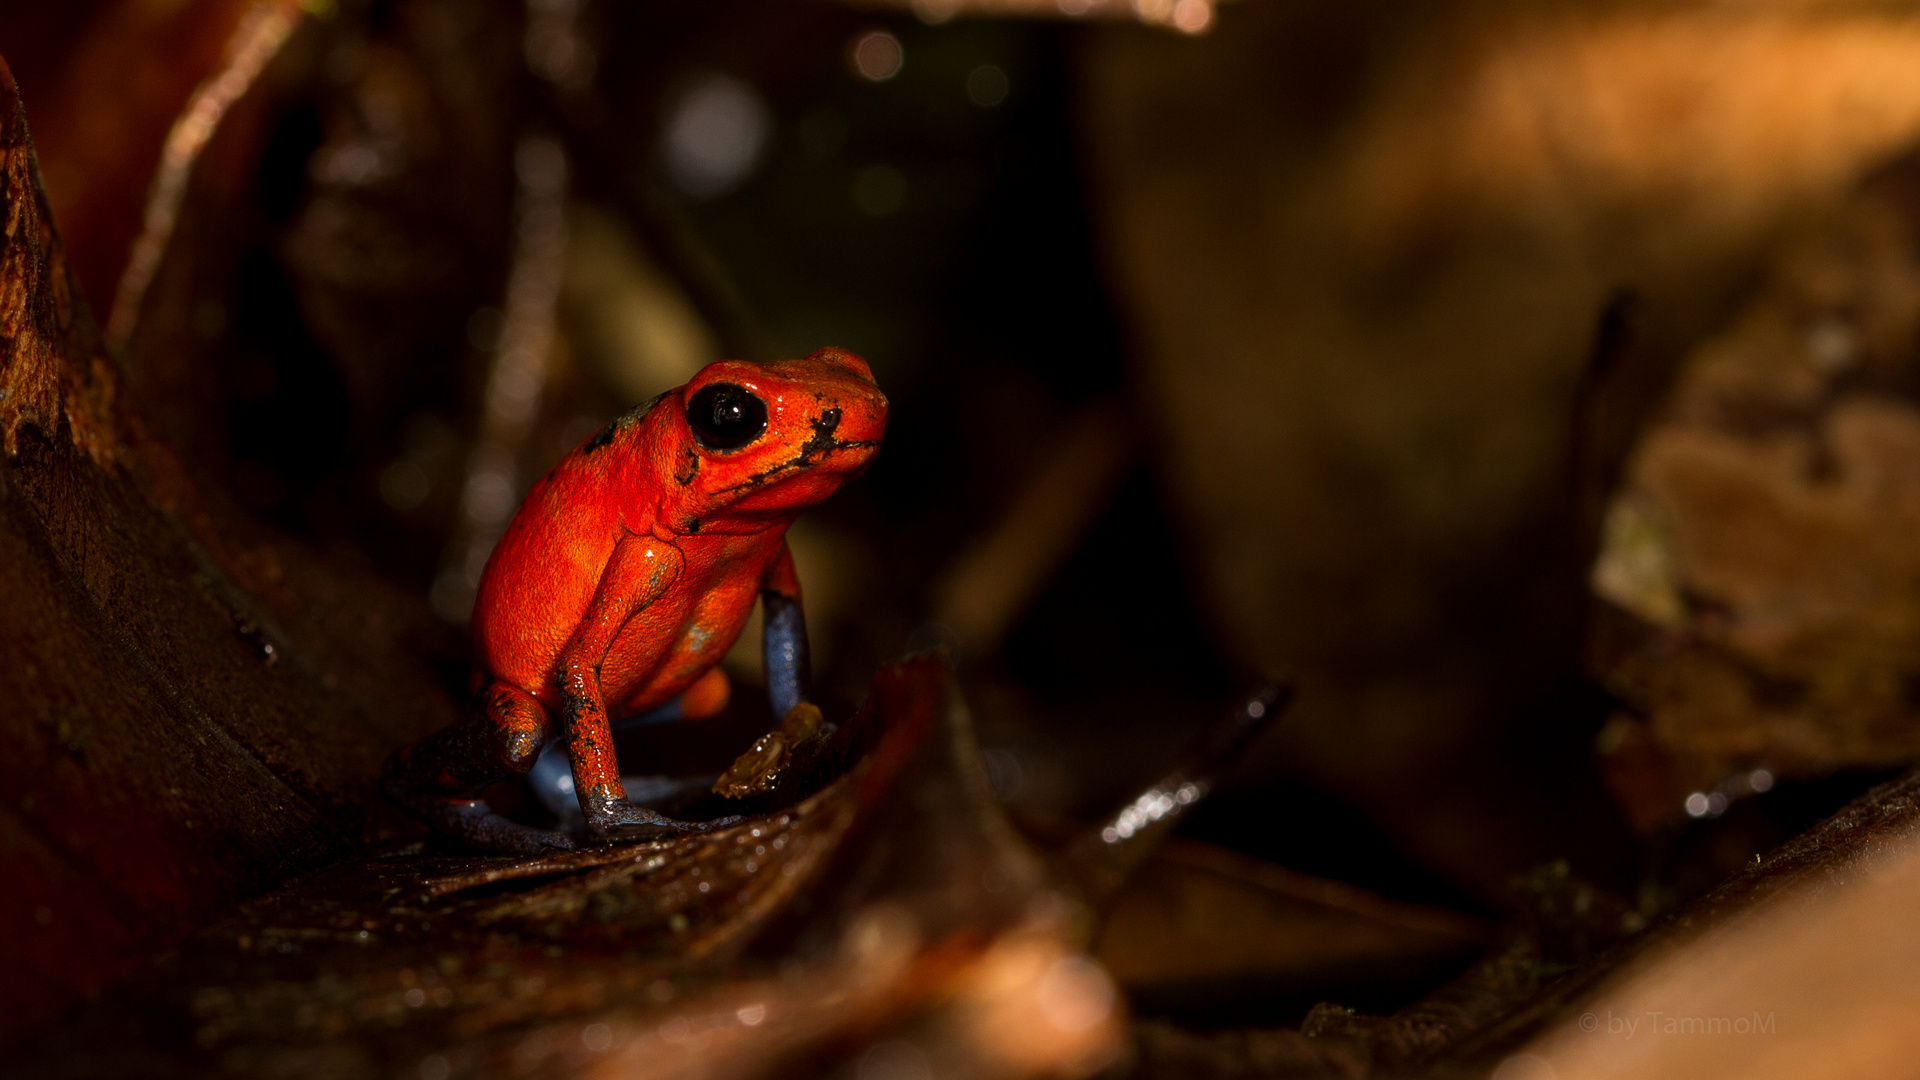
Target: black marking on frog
point(625, 420)
point(818, 445)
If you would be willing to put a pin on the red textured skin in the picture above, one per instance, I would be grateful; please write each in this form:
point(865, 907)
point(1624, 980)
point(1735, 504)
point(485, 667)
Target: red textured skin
point(725, 513)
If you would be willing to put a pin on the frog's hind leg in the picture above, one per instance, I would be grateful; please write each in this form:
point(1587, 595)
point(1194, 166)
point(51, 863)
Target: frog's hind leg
point(441, 776)
point(552, 775)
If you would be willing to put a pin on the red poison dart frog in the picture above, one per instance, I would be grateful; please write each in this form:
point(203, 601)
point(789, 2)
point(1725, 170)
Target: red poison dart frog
point(626, 575)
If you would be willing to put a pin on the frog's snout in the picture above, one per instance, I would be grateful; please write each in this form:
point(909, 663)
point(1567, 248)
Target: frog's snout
point(855, 424)
point(854, 412)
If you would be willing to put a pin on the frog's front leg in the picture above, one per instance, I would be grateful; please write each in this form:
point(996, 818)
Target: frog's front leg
point(641, 570)
point(552, 776)
point(784, 635)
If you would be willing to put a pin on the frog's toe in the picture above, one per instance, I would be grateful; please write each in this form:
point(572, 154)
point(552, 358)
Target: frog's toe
point(618, 819)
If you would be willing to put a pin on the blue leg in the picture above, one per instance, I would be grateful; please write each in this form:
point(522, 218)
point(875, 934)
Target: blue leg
point(785, 656)
point(552, 775)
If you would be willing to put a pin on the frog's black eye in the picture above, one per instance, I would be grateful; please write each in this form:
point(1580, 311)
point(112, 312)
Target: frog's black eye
point(726, 417)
